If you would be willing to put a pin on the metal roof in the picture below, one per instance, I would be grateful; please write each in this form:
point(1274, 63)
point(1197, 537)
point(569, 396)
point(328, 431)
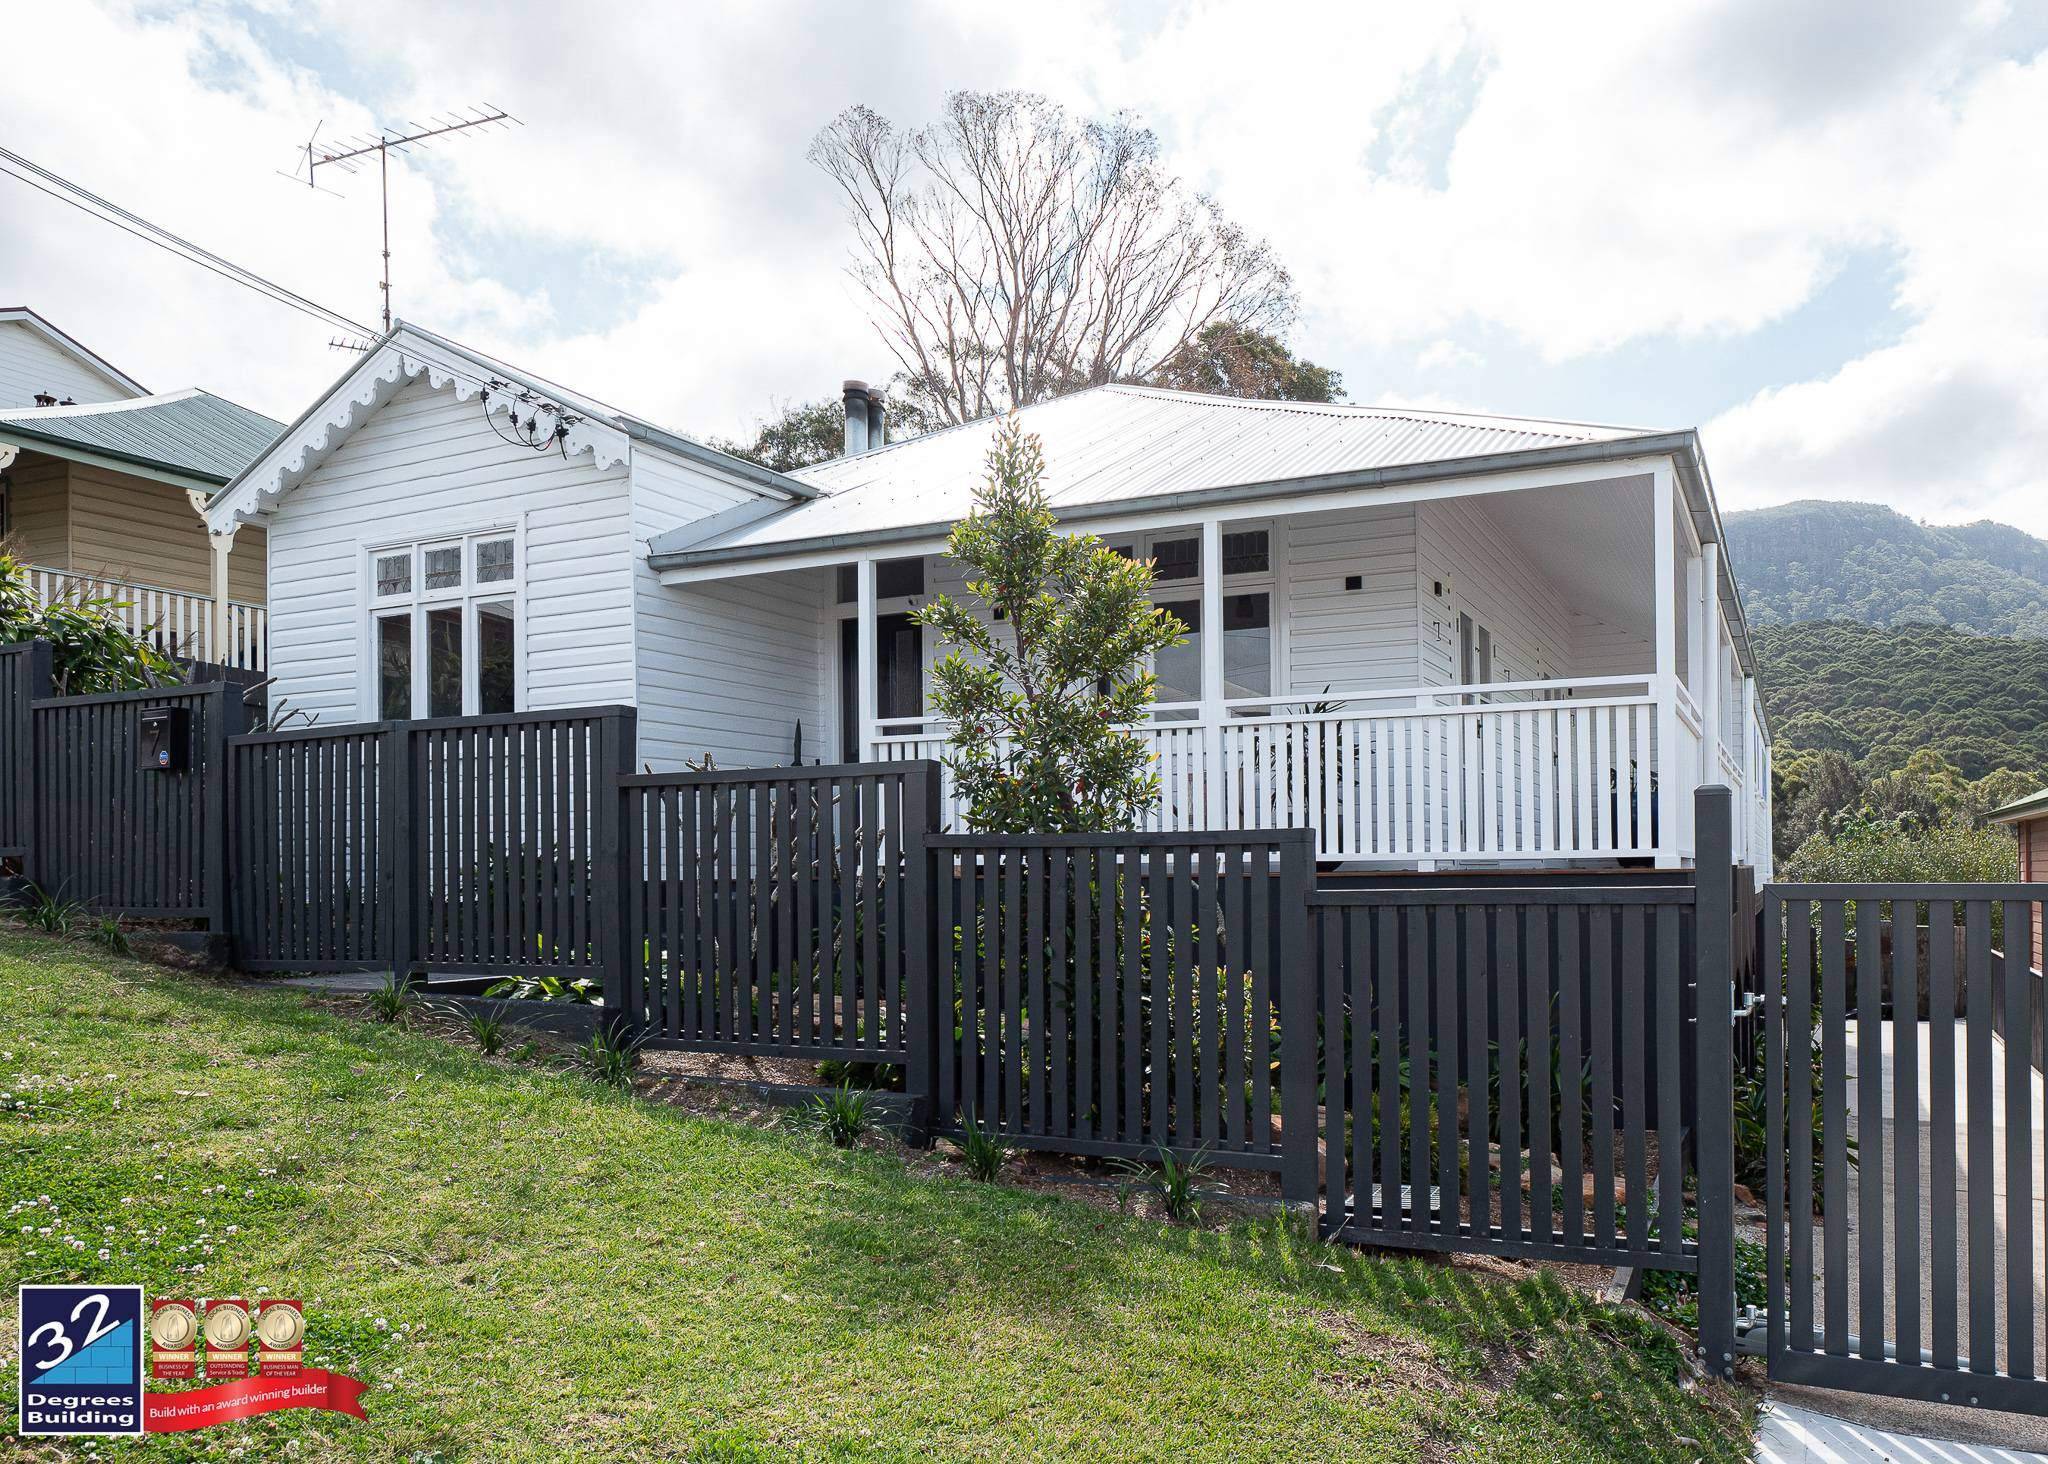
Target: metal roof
point(2031, 806)
point(1118, 445)
point(191, 433)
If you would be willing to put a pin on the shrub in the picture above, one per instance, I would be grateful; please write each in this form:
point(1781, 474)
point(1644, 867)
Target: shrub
point(547, 987)
point(390, 1002)
point(981, 1151)
point(840, 1115)
point(91, 651)
point(485, 1025)
point(610, 1056)
point(106, 933)
point(48, 910)
point(1047, 669)
point(1175, 1181)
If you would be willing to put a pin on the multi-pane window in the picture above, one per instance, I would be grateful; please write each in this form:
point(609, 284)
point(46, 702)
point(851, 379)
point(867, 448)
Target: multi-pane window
point(1249, 646)
point(493, 561)
point(445, 627)
point(394, 574)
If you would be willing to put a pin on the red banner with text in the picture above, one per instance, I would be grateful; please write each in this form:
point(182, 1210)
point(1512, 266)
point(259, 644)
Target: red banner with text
point(246, 1397)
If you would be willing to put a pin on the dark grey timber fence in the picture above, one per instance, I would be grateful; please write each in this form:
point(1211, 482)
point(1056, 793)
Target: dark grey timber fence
point(779, 912)
point(1391, 1050)
point(454, 846)
point(1128, 994)
point(510, 819)
point(116, 837)
point(24, 678)
point(307, 847)
point(1903, 1251)
point(1463, 1029)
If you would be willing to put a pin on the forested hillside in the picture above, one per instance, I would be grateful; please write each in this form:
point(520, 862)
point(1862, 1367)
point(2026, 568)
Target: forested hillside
point(1878, 695)
point(1864, 562)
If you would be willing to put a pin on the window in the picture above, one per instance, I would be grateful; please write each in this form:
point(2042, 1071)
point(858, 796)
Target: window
point(1247, 645)
point(444, 662)
point(1248, 553)
point(444, 628)
point(444, 567)
point(1475, 653)
point(493, 561)
point(394, 667)
point(1179, 668)
point(394, 574)
point(496, 658)
point(1177, 559)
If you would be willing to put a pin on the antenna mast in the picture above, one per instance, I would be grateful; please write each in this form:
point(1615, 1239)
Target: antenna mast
point(351, 154)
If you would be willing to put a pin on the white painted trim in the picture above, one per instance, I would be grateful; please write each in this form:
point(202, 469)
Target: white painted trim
point(1141, 520)
point(864, 646)
point(419, 600)
point(1664, 540)
point(1710, 662)
point(359, 396)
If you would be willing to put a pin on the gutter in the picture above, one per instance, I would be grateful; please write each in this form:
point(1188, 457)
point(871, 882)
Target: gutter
point(1198, 498)
point(120, 462)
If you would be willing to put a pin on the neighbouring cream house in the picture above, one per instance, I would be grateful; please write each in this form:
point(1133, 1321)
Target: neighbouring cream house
point(101, 487)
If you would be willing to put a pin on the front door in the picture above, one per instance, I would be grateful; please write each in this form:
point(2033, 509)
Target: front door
point(899, 678)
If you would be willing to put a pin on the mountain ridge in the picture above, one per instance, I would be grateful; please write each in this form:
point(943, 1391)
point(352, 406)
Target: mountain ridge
point(1818, 560)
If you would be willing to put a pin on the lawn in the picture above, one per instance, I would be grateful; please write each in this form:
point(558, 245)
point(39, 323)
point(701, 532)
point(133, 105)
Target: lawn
point(526, 1266)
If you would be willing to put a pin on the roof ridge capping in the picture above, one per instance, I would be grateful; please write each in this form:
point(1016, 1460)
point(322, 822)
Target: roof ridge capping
point(121, 404)
point(1384, 409)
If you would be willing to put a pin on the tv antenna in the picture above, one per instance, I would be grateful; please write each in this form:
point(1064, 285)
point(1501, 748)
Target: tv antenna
point(351, 155)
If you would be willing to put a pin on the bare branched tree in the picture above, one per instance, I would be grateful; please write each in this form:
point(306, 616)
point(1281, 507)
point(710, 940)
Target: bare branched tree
point(1010, 253)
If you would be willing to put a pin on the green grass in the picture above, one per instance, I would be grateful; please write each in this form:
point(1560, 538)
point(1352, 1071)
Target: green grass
point(525, 1265)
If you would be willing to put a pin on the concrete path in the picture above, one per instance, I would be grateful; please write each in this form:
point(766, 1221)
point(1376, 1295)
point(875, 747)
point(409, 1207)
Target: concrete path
point(1903, 1430)
point(1789, 1435)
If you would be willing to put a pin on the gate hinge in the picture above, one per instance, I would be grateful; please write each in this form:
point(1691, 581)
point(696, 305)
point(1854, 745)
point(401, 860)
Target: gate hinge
point(1751, 1003)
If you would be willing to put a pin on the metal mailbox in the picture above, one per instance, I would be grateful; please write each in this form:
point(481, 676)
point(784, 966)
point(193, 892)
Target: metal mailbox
point(166, 739)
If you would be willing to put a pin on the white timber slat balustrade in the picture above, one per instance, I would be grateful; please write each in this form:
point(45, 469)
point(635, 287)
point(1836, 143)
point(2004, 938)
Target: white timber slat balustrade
point(177, 623)
point(1536, 771)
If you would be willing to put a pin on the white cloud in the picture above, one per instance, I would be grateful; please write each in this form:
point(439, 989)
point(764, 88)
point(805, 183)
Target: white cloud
point(1454, 186)
point(1442, 354)
point(1951, 421)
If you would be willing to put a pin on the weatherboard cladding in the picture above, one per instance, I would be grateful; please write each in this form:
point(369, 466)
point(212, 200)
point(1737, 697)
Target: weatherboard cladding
point(1120, 443)
point(189, 432)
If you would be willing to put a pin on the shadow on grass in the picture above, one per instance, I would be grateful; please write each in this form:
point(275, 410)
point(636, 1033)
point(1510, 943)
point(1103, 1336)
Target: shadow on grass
point(876, 1253)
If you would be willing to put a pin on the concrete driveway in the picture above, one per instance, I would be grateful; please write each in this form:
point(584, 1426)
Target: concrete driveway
point(1878, 1134)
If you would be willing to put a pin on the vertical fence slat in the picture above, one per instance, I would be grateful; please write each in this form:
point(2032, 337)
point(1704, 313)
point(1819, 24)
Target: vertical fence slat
point(1982, 1207)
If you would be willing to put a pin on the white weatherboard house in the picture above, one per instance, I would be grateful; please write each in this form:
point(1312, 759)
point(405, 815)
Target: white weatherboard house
point(1440, 639)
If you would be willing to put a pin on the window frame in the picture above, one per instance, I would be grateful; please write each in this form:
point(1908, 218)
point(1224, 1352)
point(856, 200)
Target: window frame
point(1270, 582)
point(469, 595)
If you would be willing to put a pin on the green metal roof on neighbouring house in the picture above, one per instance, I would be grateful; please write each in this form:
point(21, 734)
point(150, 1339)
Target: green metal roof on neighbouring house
point(2033, 805)
point(190, 434)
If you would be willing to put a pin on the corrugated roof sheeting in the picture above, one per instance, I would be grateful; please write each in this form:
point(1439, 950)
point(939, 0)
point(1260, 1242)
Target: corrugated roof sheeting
point(1116, 444)
point(190, 432)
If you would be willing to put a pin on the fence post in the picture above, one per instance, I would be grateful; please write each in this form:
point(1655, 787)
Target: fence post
point(224, 719)
point(396, 843)
point(1297, 984)
point(38, 674)
point(1714, 1004)
point(920, 946)
point(614, 873)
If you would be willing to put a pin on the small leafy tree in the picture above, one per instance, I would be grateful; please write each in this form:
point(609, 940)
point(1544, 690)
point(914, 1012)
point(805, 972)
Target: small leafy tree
point(93, 651)
point(1046, 668)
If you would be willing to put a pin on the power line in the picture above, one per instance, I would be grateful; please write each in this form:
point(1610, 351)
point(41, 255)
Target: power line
point(19, 168)
point(14, 165)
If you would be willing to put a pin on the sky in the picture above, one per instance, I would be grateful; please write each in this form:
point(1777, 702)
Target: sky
point(1814, 230)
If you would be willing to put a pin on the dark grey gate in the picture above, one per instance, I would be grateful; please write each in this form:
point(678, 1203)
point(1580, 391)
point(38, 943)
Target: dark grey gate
point(1905, 1251)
